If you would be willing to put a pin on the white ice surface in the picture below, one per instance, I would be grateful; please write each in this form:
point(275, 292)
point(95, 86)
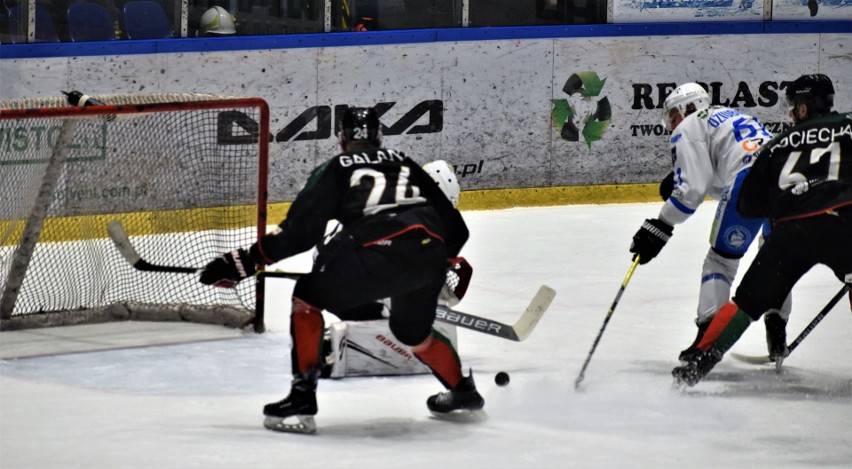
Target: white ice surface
point(199, 404)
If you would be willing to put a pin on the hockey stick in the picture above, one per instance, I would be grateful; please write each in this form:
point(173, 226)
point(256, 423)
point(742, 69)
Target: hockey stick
point(606, 320)
point(764, 359)
point(122, 243)
point(517, 332)
point(128, 251)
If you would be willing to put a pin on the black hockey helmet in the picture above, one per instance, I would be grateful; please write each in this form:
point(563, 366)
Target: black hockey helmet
point(360, 123)
point(815, 90)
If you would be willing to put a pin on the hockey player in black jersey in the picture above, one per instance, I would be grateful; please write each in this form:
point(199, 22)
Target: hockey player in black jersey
point(399, 230)
point(802, 181)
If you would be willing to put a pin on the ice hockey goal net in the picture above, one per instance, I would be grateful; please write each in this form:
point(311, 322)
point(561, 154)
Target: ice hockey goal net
point(185, 174)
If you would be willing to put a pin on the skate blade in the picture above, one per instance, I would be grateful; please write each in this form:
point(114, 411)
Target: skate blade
point(304, 425)
point(461, 416)
point(679, 385)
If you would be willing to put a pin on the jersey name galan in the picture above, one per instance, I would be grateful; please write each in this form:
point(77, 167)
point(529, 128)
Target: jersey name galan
point(366, 158)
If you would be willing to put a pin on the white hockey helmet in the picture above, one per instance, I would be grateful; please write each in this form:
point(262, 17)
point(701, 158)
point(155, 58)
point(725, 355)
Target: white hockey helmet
point(686, 99)
point(217, 21)
point(444, 175)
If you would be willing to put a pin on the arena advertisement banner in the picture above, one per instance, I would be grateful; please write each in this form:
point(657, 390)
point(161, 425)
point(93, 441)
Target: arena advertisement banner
point(507, 113)
point(631, 11)
point(811, 10)
point(614, 95)
point(642, 11)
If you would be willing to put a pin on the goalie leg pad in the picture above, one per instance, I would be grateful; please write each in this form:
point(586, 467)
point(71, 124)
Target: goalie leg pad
point(336, 359)
point(368, 348)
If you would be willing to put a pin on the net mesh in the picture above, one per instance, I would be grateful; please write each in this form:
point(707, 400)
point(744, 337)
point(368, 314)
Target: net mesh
point(187, 182)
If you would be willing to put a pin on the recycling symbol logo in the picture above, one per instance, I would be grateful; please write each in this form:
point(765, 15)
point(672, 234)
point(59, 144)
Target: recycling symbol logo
point(595, 123)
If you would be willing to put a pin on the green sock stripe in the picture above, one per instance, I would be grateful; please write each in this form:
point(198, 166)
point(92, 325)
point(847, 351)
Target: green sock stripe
point(438, 336)
point(733, 331)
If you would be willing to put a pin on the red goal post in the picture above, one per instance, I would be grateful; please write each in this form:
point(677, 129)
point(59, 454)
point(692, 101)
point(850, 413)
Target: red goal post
point(185, 174)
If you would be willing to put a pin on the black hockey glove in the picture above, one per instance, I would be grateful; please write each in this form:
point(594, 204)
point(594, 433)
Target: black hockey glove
point(667, 186)
point(228, 269)
point(650, 239)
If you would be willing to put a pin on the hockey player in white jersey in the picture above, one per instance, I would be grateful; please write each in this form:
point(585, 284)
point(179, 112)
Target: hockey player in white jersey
point(712, 149)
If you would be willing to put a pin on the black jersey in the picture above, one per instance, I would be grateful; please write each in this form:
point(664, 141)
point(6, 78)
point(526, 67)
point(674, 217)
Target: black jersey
point(805, 171)
point(374, 193)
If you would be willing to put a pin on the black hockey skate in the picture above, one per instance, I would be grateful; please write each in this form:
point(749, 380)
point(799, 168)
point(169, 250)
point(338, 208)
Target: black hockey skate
point(300, 404)
point(463, 397)
point(697, 368)
point(688, 354)
point(776, 337)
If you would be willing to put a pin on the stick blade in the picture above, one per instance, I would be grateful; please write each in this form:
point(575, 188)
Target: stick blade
point(536, 309)
point(753, 359)
point(122, 242)
point(125, 247)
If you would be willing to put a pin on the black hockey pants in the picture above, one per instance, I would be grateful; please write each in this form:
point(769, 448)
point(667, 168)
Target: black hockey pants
point(794, 247)
point(408, 268)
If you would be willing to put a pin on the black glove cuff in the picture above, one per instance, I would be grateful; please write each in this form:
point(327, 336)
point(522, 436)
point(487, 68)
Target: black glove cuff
point(243, 262)
point(667, 186)
point(658, 228)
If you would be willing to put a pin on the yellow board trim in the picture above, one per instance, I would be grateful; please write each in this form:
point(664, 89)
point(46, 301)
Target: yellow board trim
point(494, 199)
point(177, 221)
point(136, 223)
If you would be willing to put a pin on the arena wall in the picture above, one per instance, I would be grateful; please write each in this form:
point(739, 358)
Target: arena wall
point(547, 108)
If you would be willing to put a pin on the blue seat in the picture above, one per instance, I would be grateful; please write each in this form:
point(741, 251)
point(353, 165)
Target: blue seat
point(89, 22)
point(145, 19)
point(45, 29)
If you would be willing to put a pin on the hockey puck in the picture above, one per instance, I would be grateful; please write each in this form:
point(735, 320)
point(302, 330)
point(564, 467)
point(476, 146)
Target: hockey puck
point(501, 378)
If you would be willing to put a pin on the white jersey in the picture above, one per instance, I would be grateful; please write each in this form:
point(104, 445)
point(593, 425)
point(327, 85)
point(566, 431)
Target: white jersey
point(709, 148)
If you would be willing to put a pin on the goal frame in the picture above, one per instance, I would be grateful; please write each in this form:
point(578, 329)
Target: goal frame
point(8, 297)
